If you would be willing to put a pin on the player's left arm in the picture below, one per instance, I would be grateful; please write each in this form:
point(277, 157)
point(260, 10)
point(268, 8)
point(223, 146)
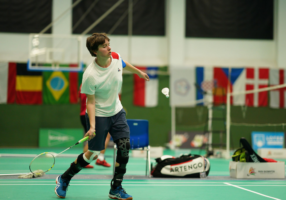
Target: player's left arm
point(134, 70)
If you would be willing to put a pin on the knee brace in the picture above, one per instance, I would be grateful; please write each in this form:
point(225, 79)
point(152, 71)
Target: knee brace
point(123, 146)
point(92, 157)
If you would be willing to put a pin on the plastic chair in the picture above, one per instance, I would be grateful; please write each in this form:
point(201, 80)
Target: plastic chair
point(139, 140)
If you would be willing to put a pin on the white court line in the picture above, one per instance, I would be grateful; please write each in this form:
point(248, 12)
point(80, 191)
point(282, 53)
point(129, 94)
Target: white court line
point(7, 155)
point(91, 181)
point(252, 191)
point(85, 172)
point(156, 185)
point(88, 181)
point(146, 181)
point(131, 185)
point(33, 155)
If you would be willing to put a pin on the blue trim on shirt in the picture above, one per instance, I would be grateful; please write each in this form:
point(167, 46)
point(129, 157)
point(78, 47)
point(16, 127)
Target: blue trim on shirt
point(123, 64)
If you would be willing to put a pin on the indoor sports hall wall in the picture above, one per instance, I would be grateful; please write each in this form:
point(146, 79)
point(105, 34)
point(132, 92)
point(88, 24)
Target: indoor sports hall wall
point(20, 124)
point(155, 50)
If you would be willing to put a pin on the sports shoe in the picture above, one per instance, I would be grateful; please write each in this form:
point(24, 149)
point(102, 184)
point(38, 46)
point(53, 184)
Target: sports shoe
point(88, 166)
point(61, 188)
point(119, 193)
point(102, 162)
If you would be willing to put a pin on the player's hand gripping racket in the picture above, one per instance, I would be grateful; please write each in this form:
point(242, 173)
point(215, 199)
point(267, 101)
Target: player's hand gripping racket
point(46, 161)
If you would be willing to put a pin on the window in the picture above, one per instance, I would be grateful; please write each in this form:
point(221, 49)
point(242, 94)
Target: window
point(25, 16)
point(241, 19)
point(148, 17)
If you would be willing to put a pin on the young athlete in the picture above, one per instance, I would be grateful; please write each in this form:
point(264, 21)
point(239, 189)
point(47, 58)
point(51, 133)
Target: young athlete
point(102, 81)
point(100, 160)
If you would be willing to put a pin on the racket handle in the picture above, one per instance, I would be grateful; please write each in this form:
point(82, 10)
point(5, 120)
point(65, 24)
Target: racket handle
point(82, 140)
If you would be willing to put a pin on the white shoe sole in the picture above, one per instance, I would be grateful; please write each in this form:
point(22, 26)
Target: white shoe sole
point(115, 197)
point(57, 180)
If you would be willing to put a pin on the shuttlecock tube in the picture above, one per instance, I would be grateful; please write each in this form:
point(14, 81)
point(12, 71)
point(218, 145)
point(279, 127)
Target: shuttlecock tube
point(35, 174)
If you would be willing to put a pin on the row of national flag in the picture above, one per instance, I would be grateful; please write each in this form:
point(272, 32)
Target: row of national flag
point(18, 85)
point(187, 85)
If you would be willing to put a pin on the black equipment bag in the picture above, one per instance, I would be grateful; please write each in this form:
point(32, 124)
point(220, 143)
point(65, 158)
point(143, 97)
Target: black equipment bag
point(246, 153)
point(188, 166)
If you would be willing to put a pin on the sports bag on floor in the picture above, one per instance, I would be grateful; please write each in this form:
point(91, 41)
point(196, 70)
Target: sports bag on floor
point(189, 166)
point(246, 153)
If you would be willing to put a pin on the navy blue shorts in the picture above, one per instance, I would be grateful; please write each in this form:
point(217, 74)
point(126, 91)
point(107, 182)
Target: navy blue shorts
point(116, 125)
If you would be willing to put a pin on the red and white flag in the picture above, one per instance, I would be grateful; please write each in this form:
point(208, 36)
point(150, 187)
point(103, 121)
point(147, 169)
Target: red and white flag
point(244, 79)
point(278, 97)
point(146, 92)
point(256, 78)
point(8, 72)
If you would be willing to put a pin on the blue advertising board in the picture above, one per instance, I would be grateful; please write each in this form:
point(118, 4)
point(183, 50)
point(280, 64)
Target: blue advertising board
point(267, 140)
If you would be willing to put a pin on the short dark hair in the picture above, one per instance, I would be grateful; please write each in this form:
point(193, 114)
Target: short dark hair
point(93, 41)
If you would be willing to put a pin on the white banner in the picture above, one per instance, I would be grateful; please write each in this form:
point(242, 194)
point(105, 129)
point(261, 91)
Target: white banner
point(272, 153)
point(182, 87)
point(257, 170)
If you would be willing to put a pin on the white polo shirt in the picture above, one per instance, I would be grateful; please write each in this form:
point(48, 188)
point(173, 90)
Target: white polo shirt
point(105, 84)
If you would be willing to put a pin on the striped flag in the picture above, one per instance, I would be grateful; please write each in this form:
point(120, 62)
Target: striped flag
point(8, 72)
point(73, 77)
point(146, 92)
point(252, 79)
point(257, 78)
point(239, 79)
point(28, 85)
point(278, 97)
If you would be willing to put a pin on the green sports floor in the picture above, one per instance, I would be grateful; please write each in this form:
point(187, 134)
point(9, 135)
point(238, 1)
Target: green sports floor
point(93, 184)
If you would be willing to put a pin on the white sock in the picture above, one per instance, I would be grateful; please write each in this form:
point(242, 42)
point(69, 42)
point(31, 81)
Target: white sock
point(101, 156)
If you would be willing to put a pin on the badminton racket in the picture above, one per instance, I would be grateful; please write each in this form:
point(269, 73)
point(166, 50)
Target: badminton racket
point(46, 160)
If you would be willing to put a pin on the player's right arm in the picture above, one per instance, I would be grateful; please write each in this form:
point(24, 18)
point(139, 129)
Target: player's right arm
point(88, 88)
point(90, 107)
point(135, 70)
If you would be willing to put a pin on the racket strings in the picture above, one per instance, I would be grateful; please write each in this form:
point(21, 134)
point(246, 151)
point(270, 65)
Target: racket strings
point(44, 162)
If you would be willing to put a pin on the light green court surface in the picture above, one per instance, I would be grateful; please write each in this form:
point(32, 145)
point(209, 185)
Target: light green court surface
point(217, 186)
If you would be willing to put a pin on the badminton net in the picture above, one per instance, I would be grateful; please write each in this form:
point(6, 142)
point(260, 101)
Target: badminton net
point(253, 110)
